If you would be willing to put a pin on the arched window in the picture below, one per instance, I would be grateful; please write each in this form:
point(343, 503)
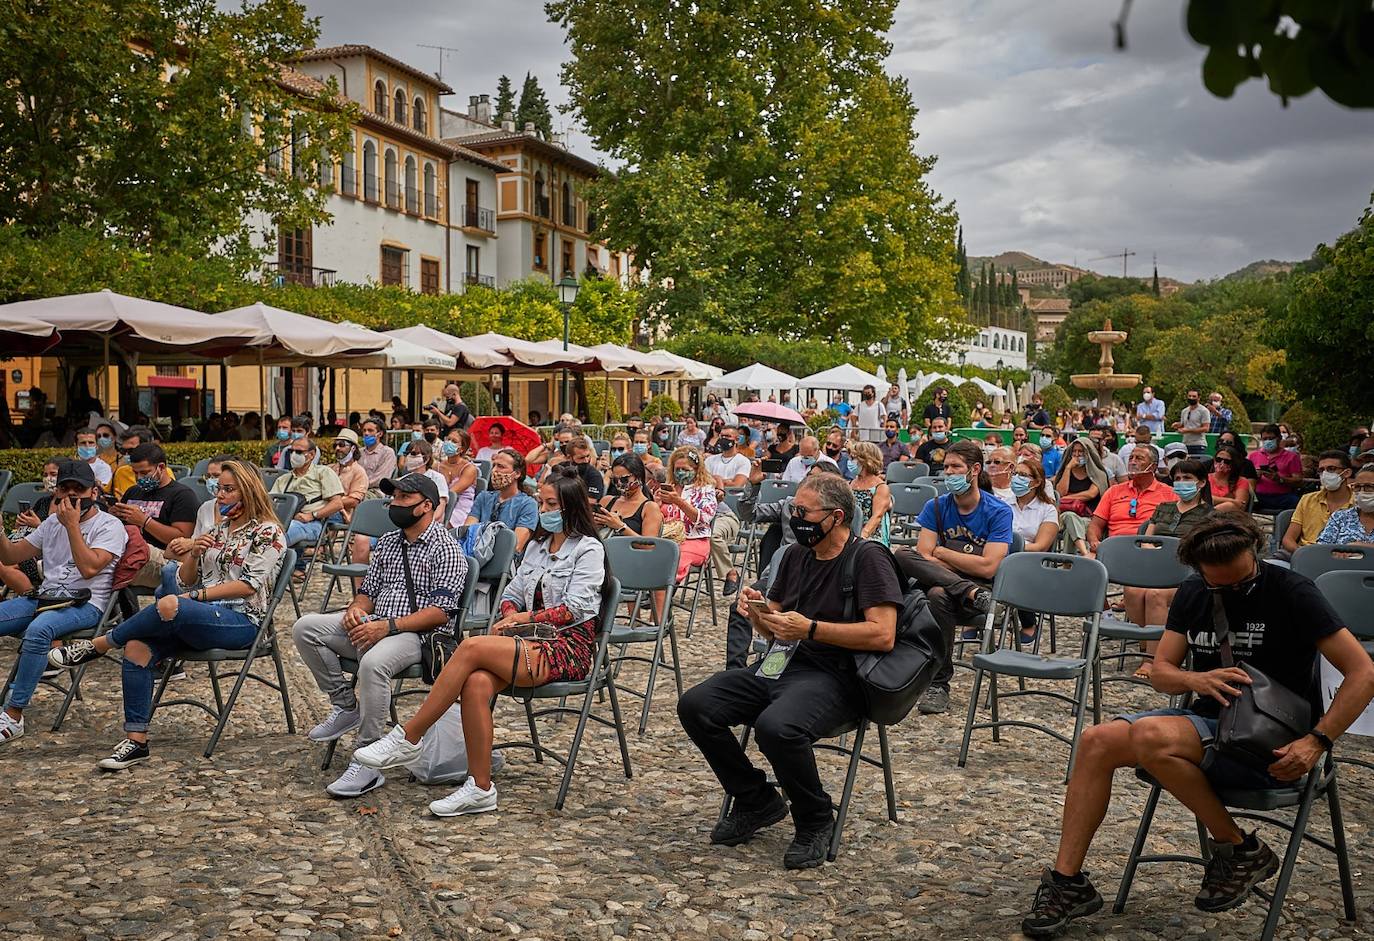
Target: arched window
point(541, 198)
point(412, 190)
point(393, 185)
point(419, 114)
point(569, 207)
point(431, 191)
point(1020, 344)
point(379, 97)
point(370, 171)
point(348, 174)
point(400, 114)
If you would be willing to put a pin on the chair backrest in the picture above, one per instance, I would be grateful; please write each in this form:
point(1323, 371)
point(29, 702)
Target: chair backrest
point(200, 467)
point(469, 584)
point(642, 563)
point(1143, 561)
point(1315, 561)
point(601, 445)
point(1051, 583)
point(483, 469)
point(287, 505)
point(197, 486)
point(270, 475)
point(773, 565)
point(1351, 593)
point(775, 491)
point(937, 482)
point(610, 597)
point(28, 492)
point(478, 486)
point(6, 478)
point(502, 556)
point(282, 584)
point(904, 473)
point(1280, 523)
point(371, 519)
point(179, 471)
point(731, 499)
point(910, 499)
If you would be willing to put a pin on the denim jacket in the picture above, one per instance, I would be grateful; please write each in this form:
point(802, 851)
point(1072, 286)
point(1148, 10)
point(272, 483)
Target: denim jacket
point(571, 578)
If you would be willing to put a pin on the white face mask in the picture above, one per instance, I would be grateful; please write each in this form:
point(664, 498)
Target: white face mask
point(1331, 480)
point(298, 459)
point(1364, 502)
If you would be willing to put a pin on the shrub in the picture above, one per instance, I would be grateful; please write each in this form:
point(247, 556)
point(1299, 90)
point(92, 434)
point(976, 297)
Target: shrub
point(1320, 430)
point(1240, 419)
point(957, 405)
point(1055, 398)
point(973, 395)
point(599, 397)
point(661, 404)
point(477, 398)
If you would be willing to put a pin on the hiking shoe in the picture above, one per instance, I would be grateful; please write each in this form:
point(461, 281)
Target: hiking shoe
point(468, 799)
point(981, 602)
point(935, 701)
point(10, 728)
point(808, 848)
point(336, 725)
point(739, 826)
point(355, 781)
point(1059, 901)
point(1232, 871)
point(126, 754)
point(390, 751)
point(73, 655)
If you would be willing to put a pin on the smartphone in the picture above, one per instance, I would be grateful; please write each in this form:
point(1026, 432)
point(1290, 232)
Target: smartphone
point(24, 505)
point(774, 465)
point(758, 605)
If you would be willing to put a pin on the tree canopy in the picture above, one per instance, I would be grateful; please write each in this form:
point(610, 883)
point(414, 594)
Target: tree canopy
point(770, 179)
point(505, 100)
point(533, 107)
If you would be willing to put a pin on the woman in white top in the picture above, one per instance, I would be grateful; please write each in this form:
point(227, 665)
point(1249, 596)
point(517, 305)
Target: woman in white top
point(553, 603)
point(869, 415)
point(419, 459)
point(459, 473)
point(1035, 518)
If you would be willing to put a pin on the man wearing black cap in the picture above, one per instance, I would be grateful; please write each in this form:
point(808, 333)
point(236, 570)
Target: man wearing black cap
point(414, 582)
point(79, 544)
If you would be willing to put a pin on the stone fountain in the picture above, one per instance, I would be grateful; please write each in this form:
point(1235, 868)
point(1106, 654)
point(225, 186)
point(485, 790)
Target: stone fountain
point(1106, 378)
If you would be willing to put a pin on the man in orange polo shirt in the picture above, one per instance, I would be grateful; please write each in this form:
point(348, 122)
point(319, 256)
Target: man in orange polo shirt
point(1125, 506)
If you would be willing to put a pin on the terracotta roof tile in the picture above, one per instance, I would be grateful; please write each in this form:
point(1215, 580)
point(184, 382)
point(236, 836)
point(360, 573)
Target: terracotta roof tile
point(357, 49)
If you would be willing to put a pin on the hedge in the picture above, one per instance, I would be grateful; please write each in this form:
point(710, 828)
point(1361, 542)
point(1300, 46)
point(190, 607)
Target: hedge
point(27, 465)
point(1055, 398)
point(664, 405)
point(959, 407)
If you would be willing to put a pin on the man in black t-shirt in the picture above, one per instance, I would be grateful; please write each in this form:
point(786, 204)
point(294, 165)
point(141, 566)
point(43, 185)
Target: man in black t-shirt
point(938, 408)
point(1277, 622)
point(162, 508)
point(454, 414)
point(932, 450)
point(812, 693)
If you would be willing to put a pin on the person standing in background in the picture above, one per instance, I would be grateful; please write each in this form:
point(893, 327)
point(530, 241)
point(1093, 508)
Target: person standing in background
point(1150, 411)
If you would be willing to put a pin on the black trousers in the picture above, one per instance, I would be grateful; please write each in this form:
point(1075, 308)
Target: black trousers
point(947, 591)
point(789, 714)
point(739, 633)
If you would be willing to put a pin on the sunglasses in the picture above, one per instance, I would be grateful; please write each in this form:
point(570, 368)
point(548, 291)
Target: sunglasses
point(1135, 505)
point(622, 481)
point(1220, 462)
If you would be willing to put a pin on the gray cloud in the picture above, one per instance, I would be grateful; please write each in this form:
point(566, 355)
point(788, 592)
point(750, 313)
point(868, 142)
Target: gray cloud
point(1050, 141)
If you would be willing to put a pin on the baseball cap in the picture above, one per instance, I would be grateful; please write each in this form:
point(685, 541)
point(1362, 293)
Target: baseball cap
point(75, 472)
point(411, 483)
point(1176, 449)
point(348, 434)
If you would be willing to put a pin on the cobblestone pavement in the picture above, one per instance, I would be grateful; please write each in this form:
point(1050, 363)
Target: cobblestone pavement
point(247, 845)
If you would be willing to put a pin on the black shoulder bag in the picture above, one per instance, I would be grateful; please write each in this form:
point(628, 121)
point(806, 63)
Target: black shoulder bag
point(436, 645)
point(1265, 716)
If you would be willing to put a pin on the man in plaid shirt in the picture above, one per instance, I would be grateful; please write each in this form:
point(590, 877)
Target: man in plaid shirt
point(1220, 417)
point(414, 584)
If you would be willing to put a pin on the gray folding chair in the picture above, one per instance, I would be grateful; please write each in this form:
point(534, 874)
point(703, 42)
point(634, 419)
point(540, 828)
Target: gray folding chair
point(197, 486)
point(598, 679)
point(1044, 583)
point(905, 472)
point(179, 471)
point(369, 519)
point(287, 505)
point(775, 491)
point(644, 565)
point(483, 469)
point(937, 481)
point(1351, 594)
point(1316, 560)
point(27, 492)
point(1135, 562)
point(908, 500)
point(264, 643)
point(1280, 526)
point(495, 574)
point(6, 478)
point(270, 475)
point(72, 691)
point(200, 467)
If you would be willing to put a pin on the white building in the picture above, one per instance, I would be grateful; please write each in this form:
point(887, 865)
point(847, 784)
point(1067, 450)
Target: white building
point(992, 345)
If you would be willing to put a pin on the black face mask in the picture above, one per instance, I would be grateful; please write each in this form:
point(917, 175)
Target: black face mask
point(431, 437)
point(404, 516)
point(808, 533)
point(833, 452)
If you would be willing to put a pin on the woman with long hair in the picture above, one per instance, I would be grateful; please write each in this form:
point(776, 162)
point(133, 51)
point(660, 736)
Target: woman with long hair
point(1229, 487)
point(871, 491)
point(553, 603)
point(458, 471)
point(689, 497)
point(1035, 518)
point(1081, 476)
point(227, 574)
point(628, 511)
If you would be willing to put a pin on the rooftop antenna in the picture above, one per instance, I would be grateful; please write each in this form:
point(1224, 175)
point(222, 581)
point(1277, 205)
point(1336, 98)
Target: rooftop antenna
point(441, 49)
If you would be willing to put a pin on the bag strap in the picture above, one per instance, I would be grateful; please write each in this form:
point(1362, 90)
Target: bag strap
point(939, 524)
point(410, 579)
point(1221, 627)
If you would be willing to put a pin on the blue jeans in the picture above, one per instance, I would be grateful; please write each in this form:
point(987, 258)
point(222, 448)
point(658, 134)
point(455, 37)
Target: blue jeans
point(1275, 503)
point(198, 625)
point(303, 533)
point(39, 631)
point(169, 584)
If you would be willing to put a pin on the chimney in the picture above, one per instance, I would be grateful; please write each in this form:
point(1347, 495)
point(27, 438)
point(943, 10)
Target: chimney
point(472, 107)
point(508, 122)
point(529, 128)
point(484, 109)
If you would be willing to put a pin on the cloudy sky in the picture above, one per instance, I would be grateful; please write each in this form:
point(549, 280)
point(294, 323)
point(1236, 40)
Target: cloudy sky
point(1049, 140)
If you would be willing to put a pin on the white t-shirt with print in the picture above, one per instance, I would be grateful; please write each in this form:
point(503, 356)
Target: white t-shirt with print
point(101, 531)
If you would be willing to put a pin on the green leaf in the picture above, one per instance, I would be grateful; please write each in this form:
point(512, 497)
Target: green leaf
point(1222, 71)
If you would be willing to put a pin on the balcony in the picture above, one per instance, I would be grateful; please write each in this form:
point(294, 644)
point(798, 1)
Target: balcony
point(278, 273)
point(480, 280)
point(431, 206)
point(475, 217)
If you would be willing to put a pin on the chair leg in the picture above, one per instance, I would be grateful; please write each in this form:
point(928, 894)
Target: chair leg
point(620, 732)
point(575, 746)
point(214, 684)
point(1333, 803)
point(653, 678)
point(534, 732)
point(1137, 849)
point(855, 756)
point(888, 784)
point(229, 703)
point(677, 662)
point(995, 706)
point(972, 714)
point(1290, 858)
point(711, 590)
point(329, 754)
point(73, 694)
point(285, 695)
point(1081, 713)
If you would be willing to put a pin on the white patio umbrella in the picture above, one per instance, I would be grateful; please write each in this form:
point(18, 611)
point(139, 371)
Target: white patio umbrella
point(846, 377)
point(400, 354)
point(881, 374)
point(1012, 404)
point(540, 355)
point(468, 355)
point(283, 333)
point(689, 368)
point(989, 387)
point(621, 360)
point(755, 377)
point(901, 379)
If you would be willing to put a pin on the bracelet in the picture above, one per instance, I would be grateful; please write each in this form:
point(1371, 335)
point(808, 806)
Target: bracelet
point(811, 634)
point(1323, 739)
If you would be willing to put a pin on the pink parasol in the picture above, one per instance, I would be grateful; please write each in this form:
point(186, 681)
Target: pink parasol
point(769, 411)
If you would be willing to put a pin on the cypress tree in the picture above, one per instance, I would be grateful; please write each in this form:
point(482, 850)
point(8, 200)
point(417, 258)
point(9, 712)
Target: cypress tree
point(505, 99)
point(1155, 286)
point(534, 107)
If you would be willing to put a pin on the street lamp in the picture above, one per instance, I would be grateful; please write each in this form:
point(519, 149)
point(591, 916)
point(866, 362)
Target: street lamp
point(963, 355)
point(1000, 364)
point(885, 347)
point(567, 294)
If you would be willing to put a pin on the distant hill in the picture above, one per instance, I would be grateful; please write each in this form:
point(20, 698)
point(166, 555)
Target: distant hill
point(1018, 260)
point(1261, 269)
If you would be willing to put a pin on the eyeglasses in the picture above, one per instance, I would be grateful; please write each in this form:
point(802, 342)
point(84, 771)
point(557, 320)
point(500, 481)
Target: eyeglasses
point(1221, 462)
point(1362, 488)
point(799, 512)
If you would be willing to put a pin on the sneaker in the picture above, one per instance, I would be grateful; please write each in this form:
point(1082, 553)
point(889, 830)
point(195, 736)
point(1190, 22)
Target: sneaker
point(981, 602)
point(73, 655)
point(468, 799)
point(1232, 871)
point(935, 701)
point(355, 781)
point(971, 633)
point(10, 728)
point(739, 826)
point(337, 724)
point(807, 850)
point(390, 751)
point(1059, 901)
point(126, 754)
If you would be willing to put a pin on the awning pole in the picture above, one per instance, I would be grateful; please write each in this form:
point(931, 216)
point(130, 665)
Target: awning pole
point(262, 395)
point(109, 409)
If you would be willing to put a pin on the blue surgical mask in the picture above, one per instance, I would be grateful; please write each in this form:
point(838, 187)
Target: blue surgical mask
point(938, 436)
point(226, 508)
point(1186, 489)
point(369, 440)
point(551, 521)
point(684, 477)
point(808, 462)
point(212, 485)
point(417, 436)
point(86, 452)
point(105, 444)
point(641, 448)
point(1046, 441)
point(297, 435)
point(1269, 445)
point(450, 448)
point(1021, 484)
point(956, 483)
point(283, 434)
point(1082, 461)
point(1291, 450)
point(1354, 450)
point(617, 452)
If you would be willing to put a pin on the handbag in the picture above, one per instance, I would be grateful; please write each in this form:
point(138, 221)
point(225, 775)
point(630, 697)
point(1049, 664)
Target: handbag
point(1076, 506)
point(1265, 716)
point(437, 645)
point(55, 599)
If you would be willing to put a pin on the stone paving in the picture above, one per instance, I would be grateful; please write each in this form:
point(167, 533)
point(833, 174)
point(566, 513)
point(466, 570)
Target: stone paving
point(247, 845)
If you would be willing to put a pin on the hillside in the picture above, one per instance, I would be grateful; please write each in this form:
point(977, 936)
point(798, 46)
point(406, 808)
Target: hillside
point(1261, 269)
point(1017, 260)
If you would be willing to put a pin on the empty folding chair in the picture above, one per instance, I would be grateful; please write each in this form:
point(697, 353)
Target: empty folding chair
point(179, 471)
point(20, 494)
point(1316, 560)
point(908, 500)
point(1135, 562)
point(644, 565)
point(1044, 583)
point(370, 519)
point(905, 472)
point(1351, 594)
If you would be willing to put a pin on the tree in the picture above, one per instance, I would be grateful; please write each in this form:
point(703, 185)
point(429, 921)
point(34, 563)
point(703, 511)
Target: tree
point(1055, 398)
point(1094, 287)
point(505, 99)
point(1224, 349)
point(534, 107)
point(768, 174)
point(1154, 283)
point(94, 133)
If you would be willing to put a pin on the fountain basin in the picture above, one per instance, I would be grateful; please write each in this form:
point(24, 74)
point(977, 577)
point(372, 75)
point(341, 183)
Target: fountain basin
point(1100, 381)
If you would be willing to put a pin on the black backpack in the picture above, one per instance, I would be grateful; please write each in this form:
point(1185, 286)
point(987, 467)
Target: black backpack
point(893, 681)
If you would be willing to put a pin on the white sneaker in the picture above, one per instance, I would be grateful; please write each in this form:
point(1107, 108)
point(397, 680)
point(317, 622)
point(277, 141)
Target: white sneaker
point(10, 729)
point(390, 751)
point(337, 724)
point(468, 799)
point(355, 781)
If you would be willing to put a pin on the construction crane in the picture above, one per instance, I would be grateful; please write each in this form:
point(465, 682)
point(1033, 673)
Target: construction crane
point(1123, 255)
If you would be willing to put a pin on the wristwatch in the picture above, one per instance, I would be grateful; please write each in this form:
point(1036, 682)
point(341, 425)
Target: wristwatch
point(391, 629)
point(1323, 738)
